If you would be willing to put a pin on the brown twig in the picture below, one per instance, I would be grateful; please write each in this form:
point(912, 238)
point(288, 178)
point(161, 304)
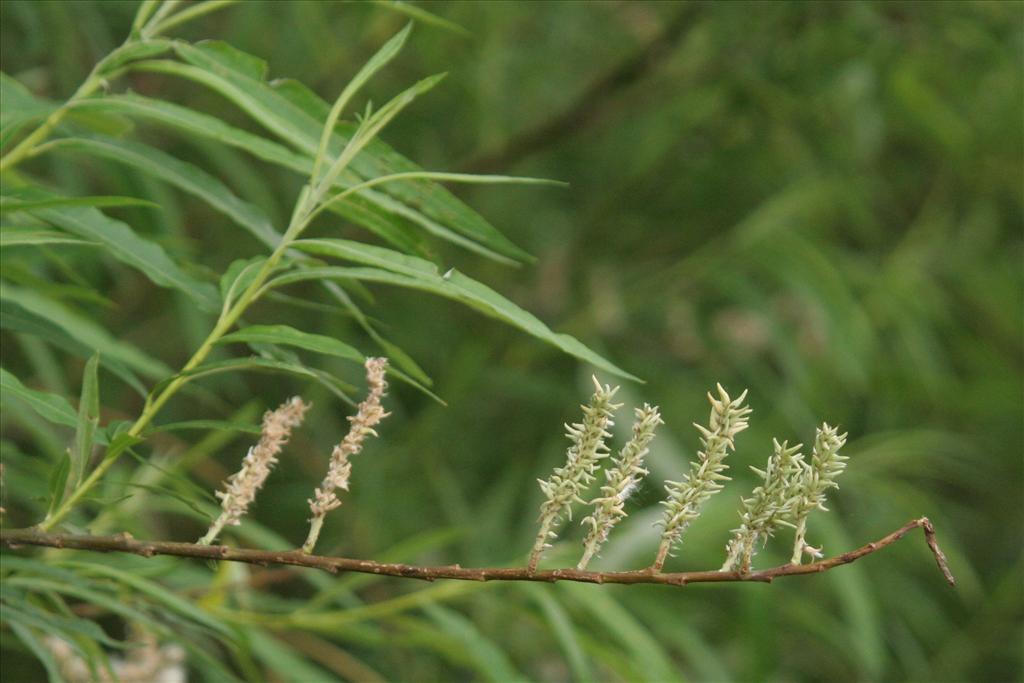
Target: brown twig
point(124, 543)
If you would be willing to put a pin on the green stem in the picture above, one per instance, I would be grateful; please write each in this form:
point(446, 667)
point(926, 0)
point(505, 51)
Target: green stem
point(300, 219)
point(26, 147)
point(314, 533)
point(798, 541)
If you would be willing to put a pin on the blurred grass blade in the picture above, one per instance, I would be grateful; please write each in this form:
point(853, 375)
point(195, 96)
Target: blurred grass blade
point(421, 15)
point(36, 646)
point(283, 660)
point(19, 318)
point(564, 631)
point(491, 661)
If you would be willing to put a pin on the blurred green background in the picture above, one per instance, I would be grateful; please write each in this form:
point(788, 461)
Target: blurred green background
point(821, 202)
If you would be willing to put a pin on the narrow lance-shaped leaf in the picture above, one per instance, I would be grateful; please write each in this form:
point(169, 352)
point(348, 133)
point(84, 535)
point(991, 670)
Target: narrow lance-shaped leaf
point(289, 336)
point(48, 406)
point(123, 244)
point(83, 331)
point(183, 175)
point(15, 236)
point(9, 204)
point(229, 72)
point(385, 54)
point(88, 421)
point(417, 273)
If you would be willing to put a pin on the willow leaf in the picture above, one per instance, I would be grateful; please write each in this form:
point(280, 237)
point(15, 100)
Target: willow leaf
point(83, 331)
point(415, 273)
point(289, 336)
point(229, 72)
point(124, 244)
point(183, 175)
point(13, 236)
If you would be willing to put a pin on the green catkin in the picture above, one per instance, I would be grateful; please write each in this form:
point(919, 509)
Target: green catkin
point(685, 497)
point(769, 506)
point(622, 480)
point(817, 477)
point(566, 483)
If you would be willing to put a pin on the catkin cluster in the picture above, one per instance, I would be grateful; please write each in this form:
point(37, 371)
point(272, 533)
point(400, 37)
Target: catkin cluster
point(241, 488)
point(791, 487)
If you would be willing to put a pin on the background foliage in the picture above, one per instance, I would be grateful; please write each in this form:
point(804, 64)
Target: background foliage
point(821, 202)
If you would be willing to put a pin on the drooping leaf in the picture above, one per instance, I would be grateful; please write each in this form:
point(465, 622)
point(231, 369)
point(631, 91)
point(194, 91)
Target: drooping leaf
point(122, 243)
point(48, 406)
point(412, 272)
point(181, 174)
point(87, 333)
point(226, 72)
point(36, 646)
point(289, 336)
point(15, 316)
point(376, 212)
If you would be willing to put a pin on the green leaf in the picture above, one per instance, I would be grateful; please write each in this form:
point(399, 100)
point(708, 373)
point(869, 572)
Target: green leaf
point(421, 15)
point(58, 481)
point(157, 593)
point(152, 47)
point(15, 316)
point(83, 331)
point(416, 273)
point(238, 365)
point(220, 70)
point(53, 623)
point(380, 59)
point(48, 406)
point(212, 425)
point(123, 244)
point(183, 175)
point(376, 212)
point(7, 204)
point(491, 661)
point(283, 660)
point(36, 646)
point(12, 236)
point(88, 420)
point(20, 106)
point(289, 336)
point(237, 278)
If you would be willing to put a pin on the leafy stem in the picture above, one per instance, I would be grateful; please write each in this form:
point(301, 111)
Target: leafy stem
point(148, 25)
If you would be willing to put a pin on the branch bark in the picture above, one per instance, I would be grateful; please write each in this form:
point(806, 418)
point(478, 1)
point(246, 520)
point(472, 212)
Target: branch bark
point(125, 543)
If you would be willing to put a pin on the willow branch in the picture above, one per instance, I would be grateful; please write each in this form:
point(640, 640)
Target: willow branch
point(125, 543)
